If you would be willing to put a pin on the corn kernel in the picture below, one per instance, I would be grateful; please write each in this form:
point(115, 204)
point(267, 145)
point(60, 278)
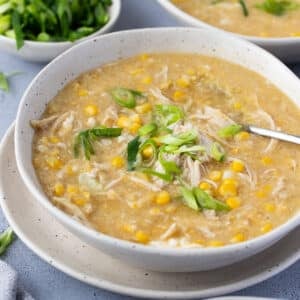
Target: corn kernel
point(264, 191)
point(215, 243)
point(144, 56)
point(69, 170)
point(59, 189)
point(147, 80)
point(54, 163)
point(269, 207)
point(134, 127)
point(54, 139)
point(205, 186)
point(142, 237)
point(91, 110)
point(178, 96)
point(266, 160)
point(266, 228)
point(155, 211)
point(72, 189)
point(183, 82)
point(239, 237)
point(215, 175)
point(79, 201)
point(242, 136)
point(235, 150)
point(163, 198)
point(123, 122)
point(233, 202)
point(191, 72)
point(128, 228)
point(147, 152)
point(228, 188)
point(82, 92)
point(237, 166)
point(295, 34)
point(118, 162)
point(143, 108)
point(136, 119)
point(237, 105)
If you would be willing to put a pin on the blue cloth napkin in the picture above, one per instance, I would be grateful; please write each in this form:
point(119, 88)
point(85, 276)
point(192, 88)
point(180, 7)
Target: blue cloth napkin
point(10, 288)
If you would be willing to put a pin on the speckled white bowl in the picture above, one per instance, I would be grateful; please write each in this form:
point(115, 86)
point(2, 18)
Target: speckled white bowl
point(111, 47)
point(286, 48)
point(46, 51)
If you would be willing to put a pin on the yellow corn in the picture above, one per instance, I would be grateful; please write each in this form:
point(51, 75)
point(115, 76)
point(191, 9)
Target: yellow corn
point(79, 201)
point(266, 228)
point(178, 96)
point(136, 119)
point(191, 72)
point(264, 191)
point(295, 34)
point(147, 152)
point(82, 93)
point(128, 228)
point(237, 166)
point(53, 139)
point(205, 186)
point(163, 198)
point(54, 162)
point(237, 105)
point(147, 80)
point(59, 189)
point(134, 127)
point(239, 237)
point(91, 110)
point(228, 188)
point(69, 170)
point(233, 202)
point(183, 82)
point(123, 122)
point(72, 189)
point(215, 175)
point(242, 136)
point(155, 211)
point(118, 162)
point(142, 237)
point(144, 56)
point(143, 108)
point(269, 207)
point(266, 160)
point(215, 243)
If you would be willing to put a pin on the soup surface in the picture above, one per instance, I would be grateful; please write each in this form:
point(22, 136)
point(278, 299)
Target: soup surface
point(264, 18)
point(149, 149)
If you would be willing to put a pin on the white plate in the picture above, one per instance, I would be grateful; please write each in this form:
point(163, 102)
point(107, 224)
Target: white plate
point(52, 242)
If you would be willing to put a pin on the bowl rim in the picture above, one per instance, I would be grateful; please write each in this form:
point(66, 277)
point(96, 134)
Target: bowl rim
point(63, 217)
point(114, 10)
point(195, 22)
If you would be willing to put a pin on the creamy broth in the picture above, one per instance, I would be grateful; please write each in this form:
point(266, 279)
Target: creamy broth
point(250, 191)
point(228, 15)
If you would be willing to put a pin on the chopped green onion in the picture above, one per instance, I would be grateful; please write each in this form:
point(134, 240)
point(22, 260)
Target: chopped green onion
point(277, 7)
point(244, 8)
point(148, 129)
point(179, 139)
point(189, 198)
point(230, 130)
point(165, 115)
point(166, 177)
point(132, 152)
point(6, 239)
point(208, 202)
point(85, 138)
point(217, 152)
point(192, 150)
point(125, 97)
point(169, 166)
point(149, 143)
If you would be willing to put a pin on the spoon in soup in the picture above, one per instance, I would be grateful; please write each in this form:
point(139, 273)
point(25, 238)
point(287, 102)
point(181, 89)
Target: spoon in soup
point(279, 135)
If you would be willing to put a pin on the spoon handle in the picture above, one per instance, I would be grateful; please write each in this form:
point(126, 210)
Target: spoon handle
point(274, 134)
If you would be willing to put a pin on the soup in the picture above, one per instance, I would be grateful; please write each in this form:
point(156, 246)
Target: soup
point(149, 149)
point(264, 18)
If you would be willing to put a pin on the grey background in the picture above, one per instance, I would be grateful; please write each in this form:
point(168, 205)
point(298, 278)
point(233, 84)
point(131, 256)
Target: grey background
point(42, 280)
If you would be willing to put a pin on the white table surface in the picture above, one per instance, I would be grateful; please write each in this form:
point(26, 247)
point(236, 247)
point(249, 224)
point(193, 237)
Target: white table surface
point(42, 280)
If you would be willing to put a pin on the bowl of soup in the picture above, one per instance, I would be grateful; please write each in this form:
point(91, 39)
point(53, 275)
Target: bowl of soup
point(138, 147)
point(271, 24)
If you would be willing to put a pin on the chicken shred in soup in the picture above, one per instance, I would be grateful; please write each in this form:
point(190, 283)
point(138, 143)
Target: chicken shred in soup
point(150, 149)
point(264, 18)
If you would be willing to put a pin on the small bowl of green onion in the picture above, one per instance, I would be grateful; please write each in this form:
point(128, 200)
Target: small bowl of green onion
point(41, 30)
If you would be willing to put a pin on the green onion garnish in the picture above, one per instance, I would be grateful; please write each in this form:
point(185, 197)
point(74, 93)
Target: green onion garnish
point(132, 152)
point(148, 129)
point(230, 130)
point(125, 97)
point(165, 115)
point(6, 239)
point(217, 152)
point(278, 7)
point(208, 202)
point(244, 8)
point(189, 198)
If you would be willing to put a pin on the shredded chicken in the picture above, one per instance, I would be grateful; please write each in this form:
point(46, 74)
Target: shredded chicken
point(156, 92)
point(170, 231)
point(193, 170)
point(145, 183)
point(43, 123)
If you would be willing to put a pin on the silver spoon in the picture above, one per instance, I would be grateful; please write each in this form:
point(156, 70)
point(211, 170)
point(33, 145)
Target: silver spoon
point(273, 134)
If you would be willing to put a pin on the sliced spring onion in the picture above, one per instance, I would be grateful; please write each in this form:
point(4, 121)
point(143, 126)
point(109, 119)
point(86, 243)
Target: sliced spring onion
point(189, 149)
point(125, 97)
point(277, 7)
point(189, 198)
point(244, 8)
point(85, 138)
point(6, 239)
point(148, 129)
point(217, 152)
point(208, 202)
point(148, 143)
point(165, 177)
point(165, 115)
point(132, 152)
point(179, 139)
point(230, 130)
point(169, 166)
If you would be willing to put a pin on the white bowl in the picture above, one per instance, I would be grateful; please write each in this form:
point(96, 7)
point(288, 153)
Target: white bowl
point(46, 51)
point(285, 48)
point(108, 48)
